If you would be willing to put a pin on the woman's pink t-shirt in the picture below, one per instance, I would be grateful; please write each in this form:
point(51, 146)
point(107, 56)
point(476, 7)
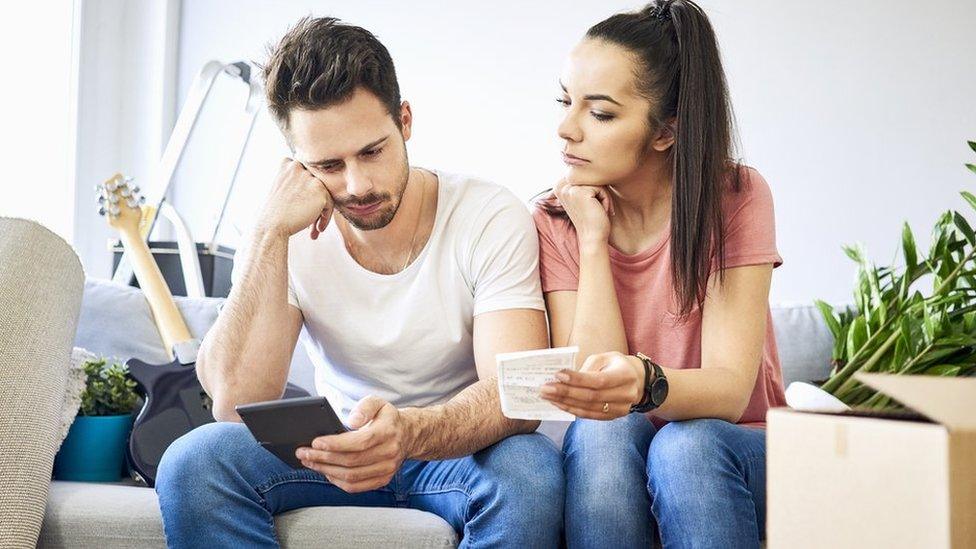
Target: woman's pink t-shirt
point(646, 295)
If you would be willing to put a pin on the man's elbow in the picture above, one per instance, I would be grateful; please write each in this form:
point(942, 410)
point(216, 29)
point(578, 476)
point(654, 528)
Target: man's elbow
point(225, 411)
point(526, 426)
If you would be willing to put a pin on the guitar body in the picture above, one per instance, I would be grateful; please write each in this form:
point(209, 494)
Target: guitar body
point(175, 404)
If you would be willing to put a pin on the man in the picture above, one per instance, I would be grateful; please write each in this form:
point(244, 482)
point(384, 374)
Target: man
point(408, 282)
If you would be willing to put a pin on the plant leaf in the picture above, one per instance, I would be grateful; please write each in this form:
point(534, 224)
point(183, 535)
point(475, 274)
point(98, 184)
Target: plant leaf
point(964, 228)
point(943, 370)
point(908, 247)
point(827, 312)
point(969, 196)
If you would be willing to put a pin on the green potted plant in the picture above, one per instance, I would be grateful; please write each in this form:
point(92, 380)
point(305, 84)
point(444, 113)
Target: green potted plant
point(915, 319)
point(94, 449)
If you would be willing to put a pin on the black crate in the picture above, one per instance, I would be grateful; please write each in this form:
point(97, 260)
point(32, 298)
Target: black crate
point(214, 265)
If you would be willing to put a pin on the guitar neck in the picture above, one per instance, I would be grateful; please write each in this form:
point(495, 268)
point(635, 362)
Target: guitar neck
point(170, 323)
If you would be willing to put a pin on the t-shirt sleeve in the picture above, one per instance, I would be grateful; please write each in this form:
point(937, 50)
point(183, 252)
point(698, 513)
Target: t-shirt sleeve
point(750, 230)
point(504, 264)
point(557, 271)
point(240, 258)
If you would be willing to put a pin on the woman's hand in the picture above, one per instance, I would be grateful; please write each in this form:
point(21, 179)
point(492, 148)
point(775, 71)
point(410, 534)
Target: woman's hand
point(605, 388)
point(589, 208)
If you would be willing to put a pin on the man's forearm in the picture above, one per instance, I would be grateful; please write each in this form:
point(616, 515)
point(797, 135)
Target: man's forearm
point(469, 422)
point(232, 363)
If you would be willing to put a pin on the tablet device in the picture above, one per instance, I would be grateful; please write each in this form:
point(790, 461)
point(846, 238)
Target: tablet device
point(282, 426)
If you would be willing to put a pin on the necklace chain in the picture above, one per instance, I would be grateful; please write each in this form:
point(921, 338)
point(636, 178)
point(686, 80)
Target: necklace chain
point(420, 215)
point(416, 228)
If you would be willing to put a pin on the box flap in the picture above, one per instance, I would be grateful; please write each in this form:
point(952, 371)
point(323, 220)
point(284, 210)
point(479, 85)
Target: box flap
point(950, 401)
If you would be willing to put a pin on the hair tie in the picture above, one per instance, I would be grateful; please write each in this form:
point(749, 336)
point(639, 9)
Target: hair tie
point(661, 11)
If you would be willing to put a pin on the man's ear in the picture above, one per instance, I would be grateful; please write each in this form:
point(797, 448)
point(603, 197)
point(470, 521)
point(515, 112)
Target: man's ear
point(406, 118)
point(664, 137)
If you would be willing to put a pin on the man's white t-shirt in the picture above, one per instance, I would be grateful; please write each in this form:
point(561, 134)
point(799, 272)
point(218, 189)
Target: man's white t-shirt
point(407, 337)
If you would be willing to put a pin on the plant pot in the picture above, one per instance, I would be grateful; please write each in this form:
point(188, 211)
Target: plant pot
point(94, 449)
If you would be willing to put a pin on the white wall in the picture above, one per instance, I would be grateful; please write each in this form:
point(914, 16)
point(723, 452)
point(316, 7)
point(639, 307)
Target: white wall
point(856, 113)
point(124, 92)
point(35, 138)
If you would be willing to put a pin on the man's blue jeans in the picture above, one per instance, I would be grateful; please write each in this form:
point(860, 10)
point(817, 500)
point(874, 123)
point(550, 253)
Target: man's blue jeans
point(218, 488)
point(703, 482)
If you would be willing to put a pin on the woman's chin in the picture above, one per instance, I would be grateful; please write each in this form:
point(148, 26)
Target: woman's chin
point(582, 177)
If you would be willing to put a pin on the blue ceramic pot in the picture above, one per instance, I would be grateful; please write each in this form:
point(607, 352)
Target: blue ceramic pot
point(94, 449)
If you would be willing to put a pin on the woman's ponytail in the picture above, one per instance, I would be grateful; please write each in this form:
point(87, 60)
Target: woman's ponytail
point(682, 76)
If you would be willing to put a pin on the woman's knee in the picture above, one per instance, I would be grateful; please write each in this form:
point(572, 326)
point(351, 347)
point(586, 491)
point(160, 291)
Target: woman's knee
point(628, 436)
point(685, 449)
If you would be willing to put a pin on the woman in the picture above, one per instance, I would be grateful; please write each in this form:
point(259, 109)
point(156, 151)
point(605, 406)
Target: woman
point(658, 242)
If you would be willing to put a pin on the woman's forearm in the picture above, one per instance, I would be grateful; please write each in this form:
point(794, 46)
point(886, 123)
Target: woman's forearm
point(598, 326)
point(715, 392)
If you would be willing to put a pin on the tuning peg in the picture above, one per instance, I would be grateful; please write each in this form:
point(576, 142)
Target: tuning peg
point(101, 211)
point(99, 188)
point(125, 192)
point(111, 186)
point(131, 202)
point(136, 189)
point(113, 198)
point(114, 210)
point(100, 199)
point(128, 179)
point(142, 199)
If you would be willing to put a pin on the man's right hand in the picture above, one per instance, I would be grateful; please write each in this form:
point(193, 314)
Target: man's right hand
point(297, 200)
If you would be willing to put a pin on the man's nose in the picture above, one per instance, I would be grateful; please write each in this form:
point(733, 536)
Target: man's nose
point(358, 183)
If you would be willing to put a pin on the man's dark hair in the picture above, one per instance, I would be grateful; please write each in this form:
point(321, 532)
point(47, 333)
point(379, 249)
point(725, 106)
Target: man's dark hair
point(320, 62)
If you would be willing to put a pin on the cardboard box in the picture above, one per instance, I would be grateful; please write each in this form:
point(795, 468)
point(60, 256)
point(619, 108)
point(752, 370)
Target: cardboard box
point(843, 480)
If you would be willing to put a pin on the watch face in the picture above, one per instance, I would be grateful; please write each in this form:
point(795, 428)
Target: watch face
point(659, 391)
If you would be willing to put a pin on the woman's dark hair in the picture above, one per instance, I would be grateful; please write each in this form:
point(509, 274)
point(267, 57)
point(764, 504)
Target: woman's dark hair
point(680, 72)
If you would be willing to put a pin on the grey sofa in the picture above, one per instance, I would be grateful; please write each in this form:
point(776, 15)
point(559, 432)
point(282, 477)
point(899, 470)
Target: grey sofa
point(116, 321)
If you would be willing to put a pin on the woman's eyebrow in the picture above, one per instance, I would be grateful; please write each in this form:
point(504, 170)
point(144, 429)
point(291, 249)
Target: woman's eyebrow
point(595, 97)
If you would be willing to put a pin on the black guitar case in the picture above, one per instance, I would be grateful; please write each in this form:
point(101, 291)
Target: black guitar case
point(175, 404)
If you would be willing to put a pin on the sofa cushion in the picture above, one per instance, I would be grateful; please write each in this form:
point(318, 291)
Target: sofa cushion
point(116, 321)
point(118, 515)
point(804, 342)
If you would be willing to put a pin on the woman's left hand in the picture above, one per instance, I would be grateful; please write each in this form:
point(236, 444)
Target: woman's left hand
point(605, 388)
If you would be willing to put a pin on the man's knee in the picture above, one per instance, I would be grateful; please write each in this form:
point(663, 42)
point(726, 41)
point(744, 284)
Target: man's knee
point(202, 454)
point(525, 470)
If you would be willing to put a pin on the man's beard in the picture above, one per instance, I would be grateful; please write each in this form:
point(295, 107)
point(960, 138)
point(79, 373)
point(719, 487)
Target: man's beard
point(378, 219)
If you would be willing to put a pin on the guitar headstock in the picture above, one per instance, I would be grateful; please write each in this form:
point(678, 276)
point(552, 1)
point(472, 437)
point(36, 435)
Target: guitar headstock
point(119, 201)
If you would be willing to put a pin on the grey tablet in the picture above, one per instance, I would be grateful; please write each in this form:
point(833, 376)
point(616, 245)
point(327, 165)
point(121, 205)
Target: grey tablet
point(282, 426)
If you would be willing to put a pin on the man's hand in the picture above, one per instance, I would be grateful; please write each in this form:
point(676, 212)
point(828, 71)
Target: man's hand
point(297, 200)
point(366, 458)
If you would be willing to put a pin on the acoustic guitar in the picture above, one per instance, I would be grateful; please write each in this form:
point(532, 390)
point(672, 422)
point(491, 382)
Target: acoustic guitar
point(174, 401)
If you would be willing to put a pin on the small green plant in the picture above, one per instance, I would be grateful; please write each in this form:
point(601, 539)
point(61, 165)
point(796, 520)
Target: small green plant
point(894, 328)
point(109, 390)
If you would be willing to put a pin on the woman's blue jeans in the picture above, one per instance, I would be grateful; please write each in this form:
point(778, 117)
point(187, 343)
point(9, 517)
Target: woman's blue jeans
point(702, 481)
point(218, 488)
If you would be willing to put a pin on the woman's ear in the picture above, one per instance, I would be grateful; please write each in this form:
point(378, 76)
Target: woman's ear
point(664, 137)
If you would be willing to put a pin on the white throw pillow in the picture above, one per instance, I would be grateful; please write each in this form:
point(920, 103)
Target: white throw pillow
point(74, 386)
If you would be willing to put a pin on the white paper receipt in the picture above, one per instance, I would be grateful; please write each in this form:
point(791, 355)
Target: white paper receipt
point(522, 374)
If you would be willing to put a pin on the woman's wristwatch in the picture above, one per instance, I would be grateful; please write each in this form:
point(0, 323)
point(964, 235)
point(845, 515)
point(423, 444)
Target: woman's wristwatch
point(655, 388)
